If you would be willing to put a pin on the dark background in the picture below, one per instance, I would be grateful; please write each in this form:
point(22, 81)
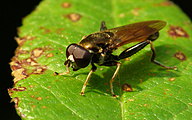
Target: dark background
point(11, 13)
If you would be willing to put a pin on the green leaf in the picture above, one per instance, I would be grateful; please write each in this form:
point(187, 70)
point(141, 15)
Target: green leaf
point(157, 93)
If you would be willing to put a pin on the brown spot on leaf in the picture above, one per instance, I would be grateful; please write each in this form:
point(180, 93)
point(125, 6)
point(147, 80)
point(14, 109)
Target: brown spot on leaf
point(164, 3)
point(14, 65)
point(19, 74)
point(22, 40)
point(46, 30)
point(16, 101)
point(17, 64)
point(127, 59)
point(44, 107)
point(36, 52)
point(190, 103)
point(30, 61)
point(49, 55)
point(171, 79)
point(145, 105)
point(39, 70)
point(59, 30)
point(66, 5)
point(18, 89)
point(19, 51)
point(121, 15)
point(177, 31)
point(41, 27)
point(74, 17)
point(47, 48)
point(21, 69)
point(131, 100)
point(33, 106)
point(181, 56)
point(39, 98)
point(10, 93)
point(32, 96)
point(126, 87)
point(135, 11)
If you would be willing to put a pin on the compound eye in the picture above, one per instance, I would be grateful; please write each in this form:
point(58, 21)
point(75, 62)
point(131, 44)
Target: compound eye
point(70, 49)
point(81, 56)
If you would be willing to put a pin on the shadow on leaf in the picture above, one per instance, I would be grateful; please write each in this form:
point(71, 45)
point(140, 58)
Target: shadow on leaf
point(137, 71)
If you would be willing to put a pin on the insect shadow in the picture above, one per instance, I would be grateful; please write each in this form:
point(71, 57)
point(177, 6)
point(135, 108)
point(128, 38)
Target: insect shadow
point(135, 72)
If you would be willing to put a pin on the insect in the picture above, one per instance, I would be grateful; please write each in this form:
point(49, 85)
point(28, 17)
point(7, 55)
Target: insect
point(97, 48)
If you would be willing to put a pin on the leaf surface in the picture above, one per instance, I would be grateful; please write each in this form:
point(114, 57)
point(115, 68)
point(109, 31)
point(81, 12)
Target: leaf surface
point(157, 93)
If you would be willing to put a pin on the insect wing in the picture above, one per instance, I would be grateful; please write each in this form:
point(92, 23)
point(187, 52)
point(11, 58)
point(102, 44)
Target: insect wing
point(136, 32)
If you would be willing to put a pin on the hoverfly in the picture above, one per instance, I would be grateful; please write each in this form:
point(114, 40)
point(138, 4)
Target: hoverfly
point(97, 48)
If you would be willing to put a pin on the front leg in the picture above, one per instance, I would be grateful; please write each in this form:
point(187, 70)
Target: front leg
point(94, 68)
point(67, 64)
point(85, 83)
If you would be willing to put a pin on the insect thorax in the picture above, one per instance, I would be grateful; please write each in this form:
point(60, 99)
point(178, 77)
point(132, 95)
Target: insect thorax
point(96, 42)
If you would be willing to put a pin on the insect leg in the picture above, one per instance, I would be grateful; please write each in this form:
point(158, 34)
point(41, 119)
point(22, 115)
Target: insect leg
point(85, 83)
point(87, 79)
point(113, 78)
point(103, 26)
point(156, 62)
point(67, 68)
